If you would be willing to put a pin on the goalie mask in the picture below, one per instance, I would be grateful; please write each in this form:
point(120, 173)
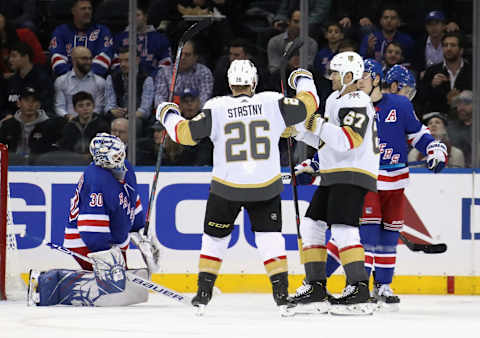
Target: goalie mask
point(108, 151)
point(242, 73)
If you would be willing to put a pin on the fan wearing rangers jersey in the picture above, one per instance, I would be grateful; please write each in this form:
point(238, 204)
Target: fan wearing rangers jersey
point(383, 211)
point(245, 129)
point(348, 156)
point(105, 214)
point(81, 32)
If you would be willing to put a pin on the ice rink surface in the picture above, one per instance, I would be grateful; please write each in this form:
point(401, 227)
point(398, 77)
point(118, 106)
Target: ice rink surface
point(241, 315)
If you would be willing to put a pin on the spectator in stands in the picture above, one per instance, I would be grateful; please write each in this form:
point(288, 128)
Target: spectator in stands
point(27, 74)
point(317, 14)
point(80, 130)
point(119, 128)
point(191, 74)
point(80, 78)
point(23, 14)
point(437, 123)
point(198, 155)
point(116, 93)
point(334, 36)
point(9, 36)
point(239, 50)
point(445, 80)
point(393, 56)
point(276, 45)
point(460, 129)
point(81, 32)
point(428, 49)
point(16, 131)
point(373, 45)
point(154, 47)
point(147, 147)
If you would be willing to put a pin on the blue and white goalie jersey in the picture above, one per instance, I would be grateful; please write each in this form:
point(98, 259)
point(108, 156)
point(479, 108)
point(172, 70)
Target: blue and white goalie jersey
point(103, 210)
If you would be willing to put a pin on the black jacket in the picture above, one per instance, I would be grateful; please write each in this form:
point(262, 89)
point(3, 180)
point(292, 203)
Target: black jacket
point(77, 137)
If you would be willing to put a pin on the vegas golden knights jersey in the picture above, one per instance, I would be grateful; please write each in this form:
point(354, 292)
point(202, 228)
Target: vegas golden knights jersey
point(245, 131)
point(349, 152)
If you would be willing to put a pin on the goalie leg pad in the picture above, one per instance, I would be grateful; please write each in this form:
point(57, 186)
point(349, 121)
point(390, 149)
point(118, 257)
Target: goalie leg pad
point(79, 288)
point(109, 269)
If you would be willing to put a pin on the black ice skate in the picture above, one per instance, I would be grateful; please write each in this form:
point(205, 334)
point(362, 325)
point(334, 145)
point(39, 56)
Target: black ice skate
point(311, 297)
point(204, 292)
point(387, 301)
point(280, 294)
point(355, 300)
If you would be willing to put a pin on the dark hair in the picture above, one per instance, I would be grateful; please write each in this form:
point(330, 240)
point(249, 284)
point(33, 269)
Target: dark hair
point(23, 49)
point(82, 96)
point(345, 43)
point(390, 7)
point(243, 43)
point(457, 35)
point(74, 2)
point(124, 49)
point(333, 23)
point(393, 43)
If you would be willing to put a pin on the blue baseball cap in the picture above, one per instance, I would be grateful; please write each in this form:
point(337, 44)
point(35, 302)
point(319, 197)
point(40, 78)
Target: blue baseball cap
point(435, 15)
point(189, 92)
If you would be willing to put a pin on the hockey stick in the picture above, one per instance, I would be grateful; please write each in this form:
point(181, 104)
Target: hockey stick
point(403, 165)
point(187, 35)
point(291, 48)
point(144, 283)
point(426, 248)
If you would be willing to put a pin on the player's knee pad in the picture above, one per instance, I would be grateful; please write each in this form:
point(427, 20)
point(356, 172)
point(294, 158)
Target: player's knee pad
point(214, 246)
point(109, 268)
point(345, 235)
point(270, 244)
point(313, 232)
point(219, 230)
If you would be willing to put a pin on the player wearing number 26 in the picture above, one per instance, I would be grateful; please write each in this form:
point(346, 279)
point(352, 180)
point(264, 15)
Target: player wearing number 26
point(245, 129)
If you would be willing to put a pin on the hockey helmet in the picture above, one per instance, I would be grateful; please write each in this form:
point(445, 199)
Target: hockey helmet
point(401, 75)
point(347, 62)
point(108, 151)
point(373, 67)
point(242, 73)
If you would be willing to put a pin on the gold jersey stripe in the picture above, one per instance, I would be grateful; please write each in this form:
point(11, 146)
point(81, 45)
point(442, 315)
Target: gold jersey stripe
point(355, 137)
point(253, 185)
point(315, 255)
point(355, 254)
point(184, 134)
point(208, 265)
point(357, 170)
point(276, 266)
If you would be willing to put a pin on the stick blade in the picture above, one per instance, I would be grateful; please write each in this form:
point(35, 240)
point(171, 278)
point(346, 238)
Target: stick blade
point(435, 248)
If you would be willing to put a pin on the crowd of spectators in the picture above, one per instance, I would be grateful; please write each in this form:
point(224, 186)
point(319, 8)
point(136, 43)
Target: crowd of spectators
point(64, 66)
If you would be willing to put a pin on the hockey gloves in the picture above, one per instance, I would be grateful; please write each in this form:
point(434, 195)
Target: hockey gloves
point(306, 170)
point(437, 156)
point(297, 74)
point(164, 109)
point(149, 248)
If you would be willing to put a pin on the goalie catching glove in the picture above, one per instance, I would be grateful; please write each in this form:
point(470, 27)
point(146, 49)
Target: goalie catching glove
point(149, 248)
point(437, 156)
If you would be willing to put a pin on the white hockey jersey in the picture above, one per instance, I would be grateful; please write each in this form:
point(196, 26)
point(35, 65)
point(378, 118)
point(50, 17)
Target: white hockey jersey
point(245, 131)
point(349, 152)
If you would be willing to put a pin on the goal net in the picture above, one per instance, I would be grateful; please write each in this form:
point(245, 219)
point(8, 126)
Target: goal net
point(12, 286)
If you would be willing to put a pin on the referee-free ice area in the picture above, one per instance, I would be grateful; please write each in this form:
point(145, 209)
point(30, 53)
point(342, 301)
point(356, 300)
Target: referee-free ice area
point(241, 315)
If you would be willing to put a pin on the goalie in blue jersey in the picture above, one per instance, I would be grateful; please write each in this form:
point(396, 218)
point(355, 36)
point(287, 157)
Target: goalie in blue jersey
point(105, 215)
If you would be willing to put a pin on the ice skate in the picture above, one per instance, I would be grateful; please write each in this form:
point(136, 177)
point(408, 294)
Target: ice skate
point(355, 301)
point(200, 301)
point(386, 300)
point(280, 295)
point(311, 298)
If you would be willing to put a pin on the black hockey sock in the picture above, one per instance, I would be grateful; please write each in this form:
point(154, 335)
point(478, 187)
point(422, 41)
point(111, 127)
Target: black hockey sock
point(206, 280)
point(315, 271)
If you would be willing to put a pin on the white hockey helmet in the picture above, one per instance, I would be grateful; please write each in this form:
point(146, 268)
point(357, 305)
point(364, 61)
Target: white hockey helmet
point(347, 62)
point(108, 151)
point(242, 73)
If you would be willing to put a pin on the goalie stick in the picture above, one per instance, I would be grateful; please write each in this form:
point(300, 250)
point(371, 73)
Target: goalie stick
point(144, 283)
point(290, 49)
point(426, 248)
point(187, 35)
